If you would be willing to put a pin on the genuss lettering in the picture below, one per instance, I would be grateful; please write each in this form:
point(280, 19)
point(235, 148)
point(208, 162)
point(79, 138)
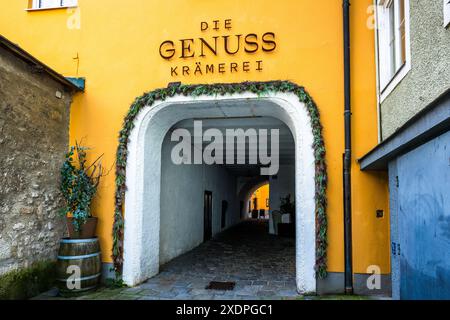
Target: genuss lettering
point(213, 45)
point(230, 45)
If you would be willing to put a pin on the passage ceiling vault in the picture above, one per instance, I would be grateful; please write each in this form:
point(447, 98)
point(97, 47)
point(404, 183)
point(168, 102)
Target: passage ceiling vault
point(286, 141)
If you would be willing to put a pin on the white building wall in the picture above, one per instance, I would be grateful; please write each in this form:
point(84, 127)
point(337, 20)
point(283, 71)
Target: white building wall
point(223, 186)
point(182, 190)
point(280, 187)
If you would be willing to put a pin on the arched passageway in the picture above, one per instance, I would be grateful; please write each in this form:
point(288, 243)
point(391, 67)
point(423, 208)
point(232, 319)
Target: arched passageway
point(249, 187)
point(143, 206)
point(259, 202)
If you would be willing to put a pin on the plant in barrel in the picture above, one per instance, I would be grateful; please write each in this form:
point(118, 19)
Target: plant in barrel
point(79, 183)
point(79, 261)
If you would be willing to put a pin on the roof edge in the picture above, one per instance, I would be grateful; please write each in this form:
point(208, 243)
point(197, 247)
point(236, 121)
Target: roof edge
point(27, 57)
point(427, 124)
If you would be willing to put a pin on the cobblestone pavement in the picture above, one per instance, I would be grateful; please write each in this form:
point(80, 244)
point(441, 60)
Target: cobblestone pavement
point(261, 265)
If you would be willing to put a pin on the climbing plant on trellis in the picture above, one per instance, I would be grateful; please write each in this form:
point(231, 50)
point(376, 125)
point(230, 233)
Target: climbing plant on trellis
point(259, 88)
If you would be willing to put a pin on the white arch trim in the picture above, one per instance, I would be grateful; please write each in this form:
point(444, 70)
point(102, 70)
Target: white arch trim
point(143, 178)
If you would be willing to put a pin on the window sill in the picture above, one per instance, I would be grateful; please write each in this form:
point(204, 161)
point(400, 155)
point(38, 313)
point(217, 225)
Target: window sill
point(395, 81)
point(49, 8)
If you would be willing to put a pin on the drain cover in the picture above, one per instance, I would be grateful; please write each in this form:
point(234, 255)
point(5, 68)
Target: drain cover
point(223, 286)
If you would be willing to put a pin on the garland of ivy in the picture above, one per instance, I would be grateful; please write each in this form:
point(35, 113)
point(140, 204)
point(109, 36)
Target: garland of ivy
point(259, 88)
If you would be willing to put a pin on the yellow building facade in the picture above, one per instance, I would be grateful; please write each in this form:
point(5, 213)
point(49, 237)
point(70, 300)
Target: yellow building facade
point(124, 49)
point(262, 196)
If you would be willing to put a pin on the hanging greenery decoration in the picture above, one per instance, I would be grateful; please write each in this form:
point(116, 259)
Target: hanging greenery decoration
point(259, 88)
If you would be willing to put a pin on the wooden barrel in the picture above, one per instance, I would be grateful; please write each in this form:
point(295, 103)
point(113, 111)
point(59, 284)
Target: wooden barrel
point(79, 265)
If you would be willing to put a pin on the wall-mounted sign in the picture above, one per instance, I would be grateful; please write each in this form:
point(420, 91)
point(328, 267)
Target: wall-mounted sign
point(192, 51)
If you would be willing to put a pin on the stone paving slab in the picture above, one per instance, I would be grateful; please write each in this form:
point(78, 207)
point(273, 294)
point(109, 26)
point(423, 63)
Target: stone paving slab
point(261, 265)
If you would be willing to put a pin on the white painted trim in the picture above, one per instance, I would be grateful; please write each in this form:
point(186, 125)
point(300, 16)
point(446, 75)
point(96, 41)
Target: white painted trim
point(384, 92)
point(35, 6)
point(377, 74)
point(142, 218)
point(446, 13)
point(45, 9)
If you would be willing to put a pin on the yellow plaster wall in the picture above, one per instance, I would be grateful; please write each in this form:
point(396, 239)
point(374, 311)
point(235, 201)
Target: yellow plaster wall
point(116, 49)
point(261, 194)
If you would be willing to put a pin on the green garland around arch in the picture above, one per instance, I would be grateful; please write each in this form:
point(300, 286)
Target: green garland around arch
point(259, 88)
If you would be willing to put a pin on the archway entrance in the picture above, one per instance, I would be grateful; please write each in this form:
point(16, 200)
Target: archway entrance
point(143, 195)
point(195, 192)
point(259, 202)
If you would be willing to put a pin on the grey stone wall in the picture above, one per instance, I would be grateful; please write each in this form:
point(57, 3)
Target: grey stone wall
point(430, 67)
point(33, 139)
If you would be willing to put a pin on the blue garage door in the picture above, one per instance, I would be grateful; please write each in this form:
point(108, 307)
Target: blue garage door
point(424, 221)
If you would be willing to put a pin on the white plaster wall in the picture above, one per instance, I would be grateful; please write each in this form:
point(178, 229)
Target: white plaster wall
point(182, 190)
point(223, 186)
point(280, 188)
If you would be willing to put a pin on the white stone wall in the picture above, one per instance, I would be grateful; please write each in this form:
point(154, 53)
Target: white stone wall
point(182, 190)
point(280, 187)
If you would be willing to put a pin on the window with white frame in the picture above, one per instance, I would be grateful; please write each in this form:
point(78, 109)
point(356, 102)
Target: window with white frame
point(393, 40)
point(46, 4)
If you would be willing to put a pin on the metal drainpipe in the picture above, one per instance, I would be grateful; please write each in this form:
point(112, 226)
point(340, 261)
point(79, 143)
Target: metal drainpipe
point(347, 155)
